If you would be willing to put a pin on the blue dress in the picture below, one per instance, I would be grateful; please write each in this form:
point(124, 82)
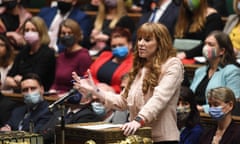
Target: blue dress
point(191, 135)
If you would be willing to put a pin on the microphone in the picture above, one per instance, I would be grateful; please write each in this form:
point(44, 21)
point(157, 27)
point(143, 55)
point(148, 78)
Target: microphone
point(62, 99)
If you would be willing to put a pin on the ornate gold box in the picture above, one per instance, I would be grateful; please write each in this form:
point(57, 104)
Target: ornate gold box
point(74, 134)
point(20, 137)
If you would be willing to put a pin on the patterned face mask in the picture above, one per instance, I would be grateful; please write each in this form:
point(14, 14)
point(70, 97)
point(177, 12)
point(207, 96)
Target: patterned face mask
point(209, 52)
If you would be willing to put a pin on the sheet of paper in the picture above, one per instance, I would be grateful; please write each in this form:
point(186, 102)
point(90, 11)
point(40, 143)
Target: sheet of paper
point(100, 126)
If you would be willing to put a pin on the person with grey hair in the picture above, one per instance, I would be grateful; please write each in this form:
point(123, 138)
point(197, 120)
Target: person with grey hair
point(222, 102)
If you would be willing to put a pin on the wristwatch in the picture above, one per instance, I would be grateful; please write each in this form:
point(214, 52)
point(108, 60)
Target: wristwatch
point(140, 120)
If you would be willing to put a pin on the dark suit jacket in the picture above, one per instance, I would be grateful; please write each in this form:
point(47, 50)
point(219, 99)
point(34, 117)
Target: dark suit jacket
point(86, 114)
point(39, 116)
point(48, 14)
point(231, 135)
point(168, 18)
point(6, 107)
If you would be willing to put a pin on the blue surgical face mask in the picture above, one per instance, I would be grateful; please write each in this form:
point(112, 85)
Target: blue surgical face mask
point(98, 108)
point(216, 112)
point(75, 99)
point(32, 98)
point(120, 52)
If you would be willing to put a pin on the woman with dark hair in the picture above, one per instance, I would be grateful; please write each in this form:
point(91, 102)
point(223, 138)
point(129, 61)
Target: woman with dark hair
point(221, 70)
point(188, 117)
point(195, 21)
point(7, 56)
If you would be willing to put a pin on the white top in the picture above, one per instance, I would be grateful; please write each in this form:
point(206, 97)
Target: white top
point(54, 27)
point(160, 11)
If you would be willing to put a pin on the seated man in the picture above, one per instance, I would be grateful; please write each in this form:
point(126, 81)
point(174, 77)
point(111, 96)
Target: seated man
point(31, 116)
point(79, 111)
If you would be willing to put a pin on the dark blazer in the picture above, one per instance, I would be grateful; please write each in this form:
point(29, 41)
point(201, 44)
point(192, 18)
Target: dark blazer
point(168, 18)
point(6, 107)
point(86, 114)
point(39, 116)
point(42, 63)
point(48, 14)
point(231, 135)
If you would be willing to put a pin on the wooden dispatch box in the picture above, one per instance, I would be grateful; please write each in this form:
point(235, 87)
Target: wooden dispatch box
point(76, 135)
point(20, 137)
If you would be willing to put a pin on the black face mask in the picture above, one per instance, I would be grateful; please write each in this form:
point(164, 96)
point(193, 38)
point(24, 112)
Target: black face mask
point(10, 4)
point(67, 40)
point(64, 7)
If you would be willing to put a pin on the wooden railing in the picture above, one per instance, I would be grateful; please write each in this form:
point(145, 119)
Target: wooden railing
point(19, 97)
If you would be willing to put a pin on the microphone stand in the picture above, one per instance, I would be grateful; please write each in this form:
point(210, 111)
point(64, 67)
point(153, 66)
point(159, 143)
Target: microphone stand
point(62, 107)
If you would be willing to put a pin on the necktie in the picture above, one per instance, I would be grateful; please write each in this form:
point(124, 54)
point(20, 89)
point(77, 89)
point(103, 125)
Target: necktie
point(24, 122)
point(153, 15)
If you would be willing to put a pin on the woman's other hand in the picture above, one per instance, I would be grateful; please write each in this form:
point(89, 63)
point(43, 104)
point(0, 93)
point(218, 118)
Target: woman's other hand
point(130, 128)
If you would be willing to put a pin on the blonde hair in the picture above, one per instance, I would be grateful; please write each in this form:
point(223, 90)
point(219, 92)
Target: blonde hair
point(235, 3)
point(223, 94)
point(75, 28)
point(41, 28)
point(101, 15)
point(191, 23)
point(163, 52)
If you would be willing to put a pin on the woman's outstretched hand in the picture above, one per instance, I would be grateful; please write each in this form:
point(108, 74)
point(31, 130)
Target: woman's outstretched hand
point(84, 85)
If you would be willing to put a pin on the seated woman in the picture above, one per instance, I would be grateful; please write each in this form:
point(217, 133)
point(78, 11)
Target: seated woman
point(222, 102)
point(13, 15)
point(188, 117)
point(111, 14)
point(7, 56)
point(232, 26)
point(36, 57)
point(221, 70)
point(73, 58)
point(110, 66)
point(195, 21)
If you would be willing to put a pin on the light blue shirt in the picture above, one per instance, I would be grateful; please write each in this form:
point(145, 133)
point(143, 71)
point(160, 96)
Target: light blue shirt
point(229, 76)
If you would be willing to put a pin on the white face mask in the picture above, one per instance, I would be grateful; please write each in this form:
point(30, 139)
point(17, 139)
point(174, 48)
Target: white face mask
point(238, 5)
